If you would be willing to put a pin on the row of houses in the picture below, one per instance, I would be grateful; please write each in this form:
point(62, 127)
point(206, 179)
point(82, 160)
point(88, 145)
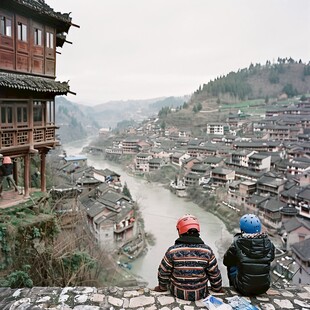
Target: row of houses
point(110, 215)
point(261, 167)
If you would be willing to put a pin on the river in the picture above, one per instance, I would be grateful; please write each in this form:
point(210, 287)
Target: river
point(160, 210)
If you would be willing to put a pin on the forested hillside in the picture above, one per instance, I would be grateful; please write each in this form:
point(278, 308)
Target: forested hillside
point(264, 83)
point(73, 123)
point(271, 80)
point(251, 90)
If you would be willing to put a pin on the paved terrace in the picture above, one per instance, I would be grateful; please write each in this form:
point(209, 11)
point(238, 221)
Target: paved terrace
point(140, 298)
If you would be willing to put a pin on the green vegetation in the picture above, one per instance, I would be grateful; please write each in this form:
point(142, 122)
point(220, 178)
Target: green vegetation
point(126, 191)
point(35, 251)
point(258, 81)
point(251, 90)
point(164, 111)
point(18, 278)
point(243, 104)
point(290, 90)
point(233, 83)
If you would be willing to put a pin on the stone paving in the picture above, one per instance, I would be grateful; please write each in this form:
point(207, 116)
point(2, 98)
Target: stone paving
point(140, 298)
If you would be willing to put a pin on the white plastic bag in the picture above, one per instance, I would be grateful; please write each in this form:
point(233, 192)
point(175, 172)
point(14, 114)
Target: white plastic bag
point(214, 303)
point(240, 303)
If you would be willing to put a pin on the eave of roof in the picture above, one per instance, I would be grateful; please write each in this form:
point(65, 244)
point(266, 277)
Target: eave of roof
point(301, 249)
point(33, 83)
point(39, 7)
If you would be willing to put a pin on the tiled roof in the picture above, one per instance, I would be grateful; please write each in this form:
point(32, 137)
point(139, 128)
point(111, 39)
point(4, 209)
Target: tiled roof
point(212, 160)
point(302, 249)
point(41, 8)
point(271, 181)
point(295, 223)
point(33, 83)
point(272, 205)
point(114, 197)
point(256, 199)
point(305, 194)
point(156, 161)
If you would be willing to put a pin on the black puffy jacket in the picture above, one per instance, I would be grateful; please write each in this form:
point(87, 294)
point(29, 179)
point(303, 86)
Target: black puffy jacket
point(252, 255)
point(8, 169)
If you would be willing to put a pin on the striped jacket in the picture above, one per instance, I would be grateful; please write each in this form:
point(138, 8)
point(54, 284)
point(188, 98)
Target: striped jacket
point(187, 267)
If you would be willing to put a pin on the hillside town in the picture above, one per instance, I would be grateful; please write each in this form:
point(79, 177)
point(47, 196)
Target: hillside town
point(259, 166)
point(111, 214)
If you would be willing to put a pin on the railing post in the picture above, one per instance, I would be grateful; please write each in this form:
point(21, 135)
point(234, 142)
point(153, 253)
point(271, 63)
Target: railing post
point(30, 122)
point(27, 174)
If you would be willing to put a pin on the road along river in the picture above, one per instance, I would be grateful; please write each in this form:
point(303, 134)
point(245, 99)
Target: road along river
point(160, 210)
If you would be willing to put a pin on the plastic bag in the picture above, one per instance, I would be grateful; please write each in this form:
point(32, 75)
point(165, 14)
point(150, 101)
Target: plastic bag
point(240, 303)
point(214, 303)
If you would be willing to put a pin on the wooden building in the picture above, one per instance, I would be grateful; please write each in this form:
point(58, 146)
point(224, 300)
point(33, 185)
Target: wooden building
point(30, 32)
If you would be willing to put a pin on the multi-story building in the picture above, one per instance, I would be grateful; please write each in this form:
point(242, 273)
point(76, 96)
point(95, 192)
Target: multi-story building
point(270, 185)
point(240, 158)
point(269, 212)
point(296, 230)
point(221, 176)
point(202, 151)
point(303, 202)
point(217, 128)
point(130, 146)
point(192, 179)
point(30, 32)
point(296, 167)
point(142, 161)
point(156, 163)
point(259, 162)
point(301, 254)
point(247, 188)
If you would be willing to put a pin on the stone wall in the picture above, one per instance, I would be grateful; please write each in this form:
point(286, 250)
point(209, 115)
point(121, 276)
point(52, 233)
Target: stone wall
point(113, 298)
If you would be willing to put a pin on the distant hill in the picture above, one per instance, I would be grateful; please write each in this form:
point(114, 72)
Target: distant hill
point(73, 123)
point(265, 83)
point(258, 82)
point(78, 121)
point(111, 113)
point(251, 90)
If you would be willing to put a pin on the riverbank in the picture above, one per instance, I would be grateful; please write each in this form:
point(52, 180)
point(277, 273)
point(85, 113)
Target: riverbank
point(209, 202)
point(160, 210)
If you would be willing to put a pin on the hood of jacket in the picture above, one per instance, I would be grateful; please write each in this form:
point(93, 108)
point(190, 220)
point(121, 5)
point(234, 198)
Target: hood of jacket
point(254, 245)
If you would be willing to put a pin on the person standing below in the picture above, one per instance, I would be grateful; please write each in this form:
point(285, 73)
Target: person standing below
point(189, 264)
point(248, 258)
point(8, 172)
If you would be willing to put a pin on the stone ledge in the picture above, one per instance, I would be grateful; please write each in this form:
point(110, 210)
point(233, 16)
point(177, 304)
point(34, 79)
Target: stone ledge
point(113, 298)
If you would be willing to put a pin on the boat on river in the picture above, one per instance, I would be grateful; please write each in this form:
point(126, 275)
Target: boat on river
point(178, 187)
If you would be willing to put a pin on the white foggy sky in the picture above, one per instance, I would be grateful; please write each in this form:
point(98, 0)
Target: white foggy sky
point(140, 49)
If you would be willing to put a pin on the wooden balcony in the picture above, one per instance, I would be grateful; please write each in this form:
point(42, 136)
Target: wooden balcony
point(119, 230)
point(20, 138)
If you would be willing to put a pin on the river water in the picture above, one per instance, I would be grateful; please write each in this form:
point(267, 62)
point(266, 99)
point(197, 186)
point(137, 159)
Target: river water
point(160, 210)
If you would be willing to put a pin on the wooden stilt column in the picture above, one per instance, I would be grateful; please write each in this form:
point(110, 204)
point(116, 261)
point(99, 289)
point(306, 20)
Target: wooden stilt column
point(15, 172)
point(43, 172)
point(26, 174)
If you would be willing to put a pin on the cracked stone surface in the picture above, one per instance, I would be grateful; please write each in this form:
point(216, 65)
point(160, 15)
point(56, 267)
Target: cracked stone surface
point(136, 298)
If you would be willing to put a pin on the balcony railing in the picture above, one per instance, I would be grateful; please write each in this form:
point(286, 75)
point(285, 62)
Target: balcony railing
point(118, 230)
point(21, 136)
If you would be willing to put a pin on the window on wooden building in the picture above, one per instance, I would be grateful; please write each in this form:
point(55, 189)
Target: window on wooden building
point(22, 32)
point(37, 36)
point(38, 113)
point(49, 40)
point(22, 115)
point(50, 112)
point(5, 26)
point(6, 116)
